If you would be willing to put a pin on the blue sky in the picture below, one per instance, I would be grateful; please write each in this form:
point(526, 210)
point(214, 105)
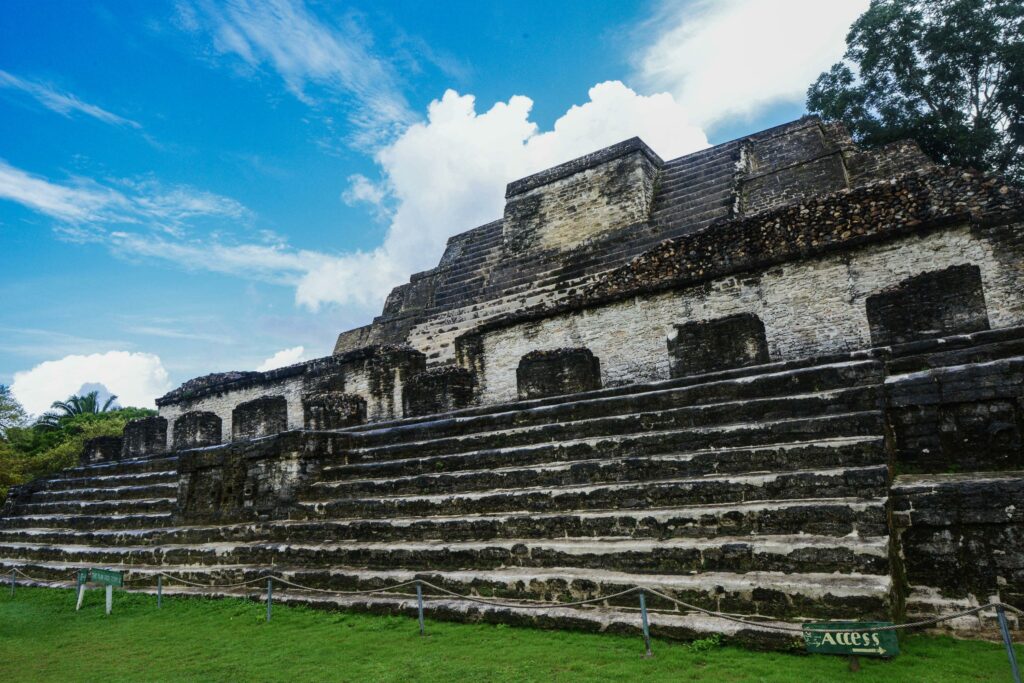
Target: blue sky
point(189, 187)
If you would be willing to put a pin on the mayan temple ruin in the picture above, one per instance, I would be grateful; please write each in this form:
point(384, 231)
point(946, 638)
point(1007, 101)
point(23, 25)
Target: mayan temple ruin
point(782, 377)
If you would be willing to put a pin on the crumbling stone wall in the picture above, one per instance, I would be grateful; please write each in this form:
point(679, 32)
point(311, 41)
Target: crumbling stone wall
point(966, 414)
point(375, 374)
point(554, 372)
point(962, 535)
point(220, 394)
point(144, 436)
point(508, 265)
point(810, 307)
point(250, 480)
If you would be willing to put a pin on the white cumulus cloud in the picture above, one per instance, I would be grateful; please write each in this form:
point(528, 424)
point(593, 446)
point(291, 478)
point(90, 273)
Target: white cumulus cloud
point(283, 358)
point(442, 176)
point(362, 189)
point(448, 174)
point(136, 378)
point(733, 57)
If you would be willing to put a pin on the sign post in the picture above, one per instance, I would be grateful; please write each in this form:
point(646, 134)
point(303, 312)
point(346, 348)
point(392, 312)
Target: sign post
point(851, 638)
point(105, 577)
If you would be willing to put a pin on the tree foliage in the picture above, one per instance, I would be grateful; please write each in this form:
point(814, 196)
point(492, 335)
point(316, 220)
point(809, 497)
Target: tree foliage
point(28, 452)
point(947, 73)
point(75, 405)
point(11, 412)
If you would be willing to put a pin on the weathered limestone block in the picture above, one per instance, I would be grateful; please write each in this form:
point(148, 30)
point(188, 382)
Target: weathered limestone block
point(250, 480)
point(196, 429)
point(931, 304)
point(557, 372)
point(438, 390)
point(960, 418)
point(100, 449)
point(260, 417)
point(145, 436)
point(734, 341)
point(962, 534)
point(581, 199)
point(332, 410)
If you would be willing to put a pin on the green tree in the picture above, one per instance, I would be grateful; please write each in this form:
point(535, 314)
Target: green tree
point(89, 404)
point(947, 73)
point(37, 451)
point(11, 412)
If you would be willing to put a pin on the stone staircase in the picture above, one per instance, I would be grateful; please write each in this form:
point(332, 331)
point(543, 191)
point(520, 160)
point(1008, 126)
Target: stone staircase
point(758, 492)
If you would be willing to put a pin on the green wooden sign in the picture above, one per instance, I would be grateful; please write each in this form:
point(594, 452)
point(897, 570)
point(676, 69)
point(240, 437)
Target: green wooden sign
point(108, 577)
point(821, 638)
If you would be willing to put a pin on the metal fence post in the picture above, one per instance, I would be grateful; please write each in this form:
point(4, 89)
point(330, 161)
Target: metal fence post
point(270, 595)
point(159, 591)
point(643, 621)
point(1001, 613)
point(419, 604)
point(13, 581)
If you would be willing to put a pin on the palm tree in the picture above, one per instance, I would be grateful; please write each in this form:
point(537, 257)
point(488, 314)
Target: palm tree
point(75, 405)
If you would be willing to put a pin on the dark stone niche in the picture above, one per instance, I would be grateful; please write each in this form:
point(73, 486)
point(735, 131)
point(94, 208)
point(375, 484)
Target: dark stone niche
point(145, 436)
point(259, 417)
point(100, 449)
point(332, 410)
point(932, 304)
point(734, 341)
point(438, 390)
point(196, 429)
point(557, 372)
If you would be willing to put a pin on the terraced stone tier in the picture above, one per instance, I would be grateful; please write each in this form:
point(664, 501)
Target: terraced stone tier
point(759, 492)
point(839, 517)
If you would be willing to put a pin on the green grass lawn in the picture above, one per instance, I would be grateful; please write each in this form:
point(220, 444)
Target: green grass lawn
point(43, 638)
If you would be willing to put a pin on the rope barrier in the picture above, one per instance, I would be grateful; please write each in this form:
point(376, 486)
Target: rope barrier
point(775, 626)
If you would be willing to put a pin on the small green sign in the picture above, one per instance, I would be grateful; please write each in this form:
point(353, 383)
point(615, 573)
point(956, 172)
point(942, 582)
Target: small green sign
point(853, 639)
point(107, 577)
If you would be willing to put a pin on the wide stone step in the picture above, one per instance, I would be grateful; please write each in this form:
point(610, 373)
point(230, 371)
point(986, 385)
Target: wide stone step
point(767, 594)
point(864, 368)
point(87, 521)
point(95, 507)
point(866, 482)
point(818, 453)
point(799, 381)
point(732, 439)
point(843, 401)
point(601, 470)
point(164, 490)
point(667, 625)
point(133, 466)
point(113, 480)
point(791, 554)
point(854, 517)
